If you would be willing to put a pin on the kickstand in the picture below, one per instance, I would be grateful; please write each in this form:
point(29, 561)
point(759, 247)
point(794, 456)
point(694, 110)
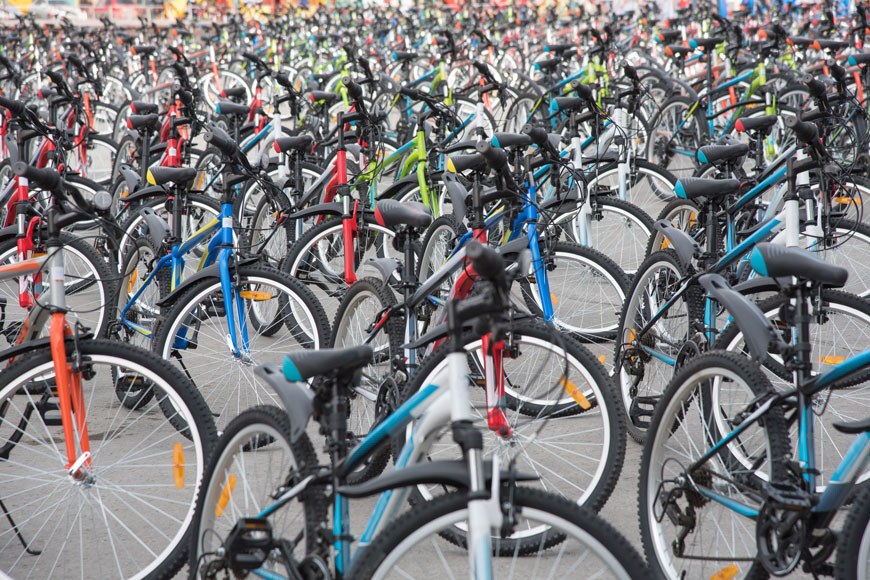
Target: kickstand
point(17, 531)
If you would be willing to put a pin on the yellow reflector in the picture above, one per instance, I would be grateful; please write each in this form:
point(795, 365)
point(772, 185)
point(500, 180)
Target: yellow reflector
point(178, 465)
point(726, 573)
point(200, 180)
point(133, 277)
point(602, 358)
point(255, 295)
point(225, 496)
point(125, 193)
point(854, 200)
point(665, 244)
point(150, 178)
point(553, 298)
point(575, 393)
point(831, 359)
point(450, 167)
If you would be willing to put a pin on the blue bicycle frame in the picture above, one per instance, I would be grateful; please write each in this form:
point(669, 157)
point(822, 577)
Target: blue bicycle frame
point(220, 251)
point(392, 426)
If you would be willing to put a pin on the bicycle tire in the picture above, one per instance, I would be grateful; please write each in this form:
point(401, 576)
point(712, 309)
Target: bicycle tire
point(605, 552)
point(663, 270)
point(371, 400)
point(593, 313)
point(262, 436)
point(89, 283)
point(588, 463)
point(151, 540)
point(196, 322)
point(674, 414)
point(853, 541)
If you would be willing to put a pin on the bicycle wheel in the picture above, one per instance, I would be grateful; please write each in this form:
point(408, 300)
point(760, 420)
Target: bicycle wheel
point(137, 325)
point(621, 233)
point(649, 186)
point(89, 286)
point(559, 404)
point(587, 290)
point(199, 211)
point(683, 215)
point(194, 335)
point(645, 366)
point(131, 516)
point(686, 534)
point(254, 459)
point(676, 133)
point(269, 232)
point(850, 249)
point(840, 331)
point(375, 395)
point(576, 539)
point(853, 542)
point(317, 258)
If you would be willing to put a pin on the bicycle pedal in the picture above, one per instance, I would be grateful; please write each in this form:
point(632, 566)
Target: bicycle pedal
point(788, 497)
point(50, 413)
point(215, 309)
point(131, 384)
point(641, 410)
point(249, 543)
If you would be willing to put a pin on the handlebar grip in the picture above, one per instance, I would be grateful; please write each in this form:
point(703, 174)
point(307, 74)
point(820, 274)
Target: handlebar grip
point(859, 59)
point(47, 179)
point(806, 132)
point(15, 107)
point(485, 261)
point(250, 56)
point(496, 158)
point(584, 91)
point(55, 77)
point(410, 93)
point(353, 89)
point(538, 135)
point(460, 163)
point(223, 142)
point(838, 72)
point(816, 87)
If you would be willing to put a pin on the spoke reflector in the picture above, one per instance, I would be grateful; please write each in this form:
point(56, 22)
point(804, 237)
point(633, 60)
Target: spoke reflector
point(831, 359)
point(575, 393)
point(225, 496)
point(133, 277)
point(726, 573)
point(178, 465)
point(255, 295)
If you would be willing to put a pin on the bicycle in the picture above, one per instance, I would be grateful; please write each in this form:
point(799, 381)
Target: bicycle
point(738, 466)
point(73, 460)
point(279, 539)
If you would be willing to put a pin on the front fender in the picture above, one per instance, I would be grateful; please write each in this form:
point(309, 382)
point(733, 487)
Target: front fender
point(212, 271)
point(397, 186)
point(319, 209)
point(452, 473)
point(384, 266)
point(682, 242)
point(296, 397)
point(158, 229)
point(758, 332)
